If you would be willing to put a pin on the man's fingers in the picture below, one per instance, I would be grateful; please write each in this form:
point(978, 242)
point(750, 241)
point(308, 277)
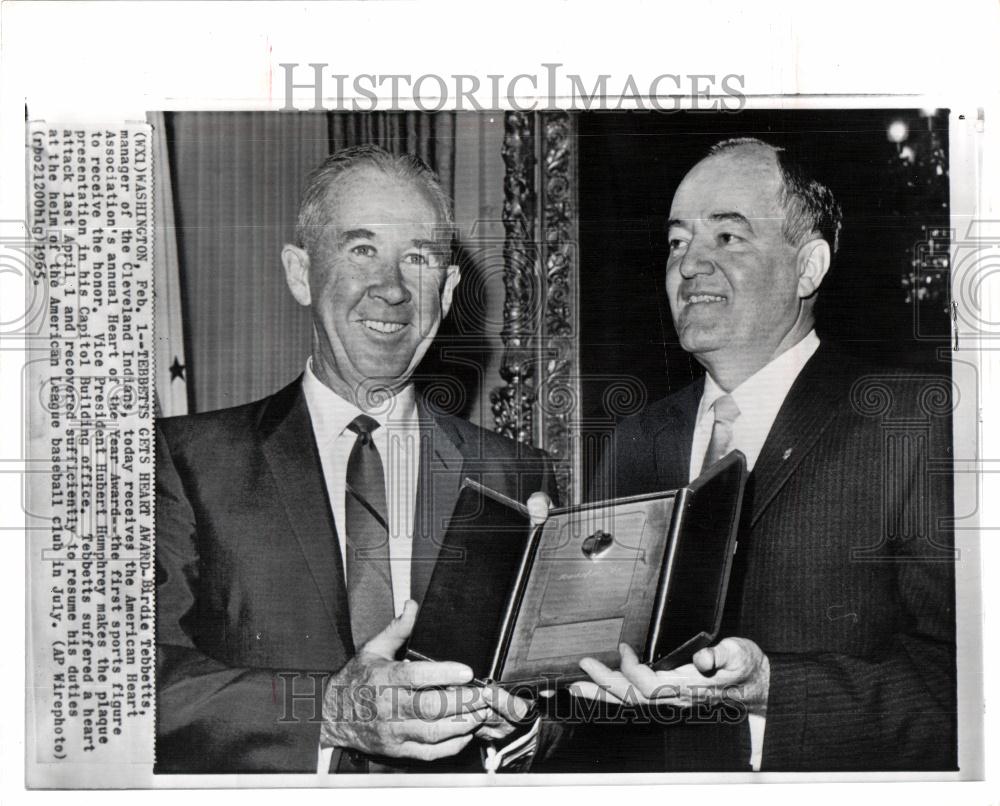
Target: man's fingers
point(628, 656)
point(704, 660)
point(439, 703)
point(591, 691)
point(594, 667)
point(492, 732)
point(617, 685)
point(440, 730)
point(432, 752)
point(539, 505)
point(424, 673)
point(640, 675)
point(729, 655)
point(388, 642)
point(509, 706)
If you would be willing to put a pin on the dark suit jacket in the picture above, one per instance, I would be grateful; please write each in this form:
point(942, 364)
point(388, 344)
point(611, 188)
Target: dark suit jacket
point(844, 576)
point(251, 598)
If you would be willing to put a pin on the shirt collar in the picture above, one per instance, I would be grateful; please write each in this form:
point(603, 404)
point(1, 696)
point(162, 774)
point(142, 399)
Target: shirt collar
point(760, 396)
point(331, 414)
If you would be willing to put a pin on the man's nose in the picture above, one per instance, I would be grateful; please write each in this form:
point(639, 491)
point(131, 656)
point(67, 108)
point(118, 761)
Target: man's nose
point(696, 260)
point(387, 284)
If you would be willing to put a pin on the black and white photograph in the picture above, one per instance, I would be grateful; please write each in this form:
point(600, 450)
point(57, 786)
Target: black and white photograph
point(655, 292)
point(408, 398)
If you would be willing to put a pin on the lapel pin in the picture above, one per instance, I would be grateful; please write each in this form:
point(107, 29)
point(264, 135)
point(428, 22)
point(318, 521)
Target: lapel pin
point(786, 454)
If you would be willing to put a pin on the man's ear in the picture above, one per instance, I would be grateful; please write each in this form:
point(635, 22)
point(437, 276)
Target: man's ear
point(296, 263)
point(451, 280)
point(812, 262)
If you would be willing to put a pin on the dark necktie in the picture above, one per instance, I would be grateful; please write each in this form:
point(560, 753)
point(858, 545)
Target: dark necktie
point(726, 411)
point(369, 581)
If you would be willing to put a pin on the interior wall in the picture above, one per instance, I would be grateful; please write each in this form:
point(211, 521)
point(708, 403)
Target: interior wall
point(469, 346)
point(236, 179)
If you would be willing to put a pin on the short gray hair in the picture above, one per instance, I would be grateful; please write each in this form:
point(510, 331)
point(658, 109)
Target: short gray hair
point(809, 205)
point(312, 215)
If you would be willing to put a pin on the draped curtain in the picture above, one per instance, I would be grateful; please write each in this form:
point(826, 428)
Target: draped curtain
point(237, 178)
point(429, 136)
point(168, 324)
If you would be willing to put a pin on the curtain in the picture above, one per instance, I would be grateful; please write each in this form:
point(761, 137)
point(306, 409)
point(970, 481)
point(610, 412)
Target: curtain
point(429, 136)
point(237, 178)
point(168, 324)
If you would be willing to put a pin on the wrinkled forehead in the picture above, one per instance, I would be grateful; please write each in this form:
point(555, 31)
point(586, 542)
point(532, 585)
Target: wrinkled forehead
point(745, 181)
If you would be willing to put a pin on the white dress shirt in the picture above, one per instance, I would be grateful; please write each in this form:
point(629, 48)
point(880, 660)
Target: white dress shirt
point(758, 398)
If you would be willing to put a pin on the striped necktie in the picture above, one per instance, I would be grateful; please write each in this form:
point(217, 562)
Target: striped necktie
point(726, 411)
point(369, 580)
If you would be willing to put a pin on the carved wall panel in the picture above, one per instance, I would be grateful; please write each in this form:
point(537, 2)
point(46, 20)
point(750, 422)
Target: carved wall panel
point(539, 401)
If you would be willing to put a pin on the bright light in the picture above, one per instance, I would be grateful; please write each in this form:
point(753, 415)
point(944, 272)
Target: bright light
point(897, 131)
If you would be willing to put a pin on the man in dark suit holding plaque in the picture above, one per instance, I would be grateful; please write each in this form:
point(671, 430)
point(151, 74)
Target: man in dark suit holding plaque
point(840, 622)
point(296, 535)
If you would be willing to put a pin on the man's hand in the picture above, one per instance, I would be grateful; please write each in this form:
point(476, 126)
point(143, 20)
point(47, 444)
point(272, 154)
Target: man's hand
point(539, 505)
point(507, 713)
point(734, 669)
point(384, 707)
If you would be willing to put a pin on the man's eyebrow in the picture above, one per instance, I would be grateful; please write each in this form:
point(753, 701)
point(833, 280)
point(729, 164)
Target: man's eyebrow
point(355, 234)
point(736, 218)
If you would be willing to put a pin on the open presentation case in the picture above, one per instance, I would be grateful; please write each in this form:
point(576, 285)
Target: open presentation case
point(522, 605)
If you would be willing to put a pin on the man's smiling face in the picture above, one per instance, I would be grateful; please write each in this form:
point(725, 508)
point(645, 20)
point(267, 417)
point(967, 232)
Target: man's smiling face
point(732, 280)
point(379, 282)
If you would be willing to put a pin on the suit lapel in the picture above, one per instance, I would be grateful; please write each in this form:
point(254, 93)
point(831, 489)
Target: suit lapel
point(290, 449)
point(809, 408)
point(673, 433)
point(438, 485)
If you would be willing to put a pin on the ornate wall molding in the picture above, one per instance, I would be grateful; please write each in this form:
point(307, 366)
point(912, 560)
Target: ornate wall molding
point(512, 403)
point(558, 407)
point(540, 403)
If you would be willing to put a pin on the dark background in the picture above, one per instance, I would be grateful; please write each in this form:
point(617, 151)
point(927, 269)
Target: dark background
point(630, 166)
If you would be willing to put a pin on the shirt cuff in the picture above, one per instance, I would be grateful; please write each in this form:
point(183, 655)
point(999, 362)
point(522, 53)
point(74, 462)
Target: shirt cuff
point(516, 755)
point(513, 756)
point(324, 759)
point(756, 722)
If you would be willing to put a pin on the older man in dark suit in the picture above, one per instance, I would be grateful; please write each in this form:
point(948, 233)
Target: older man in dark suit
point(296, 535)
point(840, 623)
